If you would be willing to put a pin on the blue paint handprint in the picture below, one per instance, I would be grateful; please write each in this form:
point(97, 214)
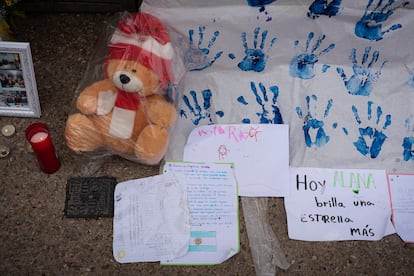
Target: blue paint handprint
point(255, 59)
point(262, 100)
point(360, 83)
point(370, 25)
point(370, 138)
point(196, 111)
point(259, 3)
point(302, 65)
point(321, 7)
point(197, 57)
point(310, 123)
point(408, 142)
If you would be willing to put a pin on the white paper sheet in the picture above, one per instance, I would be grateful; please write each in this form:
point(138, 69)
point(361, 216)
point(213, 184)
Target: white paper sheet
point(213, 203)
point(260, 153)
point(402, 203)
point(151, 219)
point(338, 204)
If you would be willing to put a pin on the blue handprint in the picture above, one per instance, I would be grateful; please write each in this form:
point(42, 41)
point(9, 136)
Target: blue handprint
point(370, 24)
point(259, 3)
point(375, 136)
point(255, 59)
point(196, 111)
point(302, 65)
point(196, 57)
point(360, 83)
point(408, 142)
point(311, 123)
point(321, 7)
point(262, 100)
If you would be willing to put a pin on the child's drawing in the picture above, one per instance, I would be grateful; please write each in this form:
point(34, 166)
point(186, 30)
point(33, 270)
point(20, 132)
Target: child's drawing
point(222, 152)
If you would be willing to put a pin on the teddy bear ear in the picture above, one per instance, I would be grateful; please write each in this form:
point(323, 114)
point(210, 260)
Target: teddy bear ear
point(110, 66)
point(144, 39)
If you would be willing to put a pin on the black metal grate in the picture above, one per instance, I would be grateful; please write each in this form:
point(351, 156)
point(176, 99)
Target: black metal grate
point(90, 197)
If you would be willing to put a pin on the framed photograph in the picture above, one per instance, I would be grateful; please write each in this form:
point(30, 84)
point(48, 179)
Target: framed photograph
point(18, 89)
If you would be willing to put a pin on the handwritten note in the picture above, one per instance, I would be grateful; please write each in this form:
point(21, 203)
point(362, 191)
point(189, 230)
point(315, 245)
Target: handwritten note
point(338, 204)
point(260, 153)
point(213, 204)
point(151, 219)
point(402, 203)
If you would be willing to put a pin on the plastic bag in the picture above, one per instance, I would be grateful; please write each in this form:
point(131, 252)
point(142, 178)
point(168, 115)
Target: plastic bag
point(267, 254)
point(124, 106)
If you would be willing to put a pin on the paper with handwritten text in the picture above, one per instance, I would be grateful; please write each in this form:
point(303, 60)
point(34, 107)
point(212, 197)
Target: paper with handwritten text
point(338, 204)
point(151, 219)
point(213, 203)
point(260, 154)
point(402, 202)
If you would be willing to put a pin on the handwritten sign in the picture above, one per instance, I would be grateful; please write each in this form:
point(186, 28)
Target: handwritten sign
point(260, 153)
point(402, 198)
point(151, 219)
point(338, 204)
point(213, 204)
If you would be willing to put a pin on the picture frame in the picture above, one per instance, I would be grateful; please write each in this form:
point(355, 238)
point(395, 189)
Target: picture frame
point(18, 88)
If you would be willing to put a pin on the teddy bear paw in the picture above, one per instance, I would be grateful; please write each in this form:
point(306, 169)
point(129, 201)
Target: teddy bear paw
point(152, 144)
point(81, 135)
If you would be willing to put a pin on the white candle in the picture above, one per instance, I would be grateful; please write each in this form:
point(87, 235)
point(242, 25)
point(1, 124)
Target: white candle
point(39, 137)
point(8, 130)
point(4, 151)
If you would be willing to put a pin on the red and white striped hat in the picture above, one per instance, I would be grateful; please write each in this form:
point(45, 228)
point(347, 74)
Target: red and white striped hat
point(143, 38)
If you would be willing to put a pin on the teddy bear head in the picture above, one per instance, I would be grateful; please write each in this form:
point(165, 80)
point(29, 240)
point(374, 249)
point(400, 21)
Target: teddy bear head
point(140, 55)
point(133, 77)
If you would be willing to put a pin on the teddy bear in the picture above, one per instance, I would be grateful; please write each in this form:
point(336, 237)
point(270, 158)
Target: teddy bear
point(127, 113)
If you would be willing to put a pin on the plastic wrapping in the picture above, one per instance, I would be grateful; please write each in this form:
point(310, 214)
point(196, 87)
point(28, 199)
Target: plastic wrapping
point(267, 254)
point(124, 106)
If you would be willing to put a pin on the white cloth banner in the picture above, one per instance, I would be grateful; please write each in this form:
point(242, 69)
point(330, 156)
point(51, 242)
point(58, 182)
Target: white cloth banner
point(340, 74)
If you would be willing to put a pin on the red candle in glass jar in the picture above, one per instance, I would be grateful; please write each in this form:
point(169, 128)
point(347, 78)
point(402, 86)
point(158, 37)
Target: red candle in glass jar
point(38, 136)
